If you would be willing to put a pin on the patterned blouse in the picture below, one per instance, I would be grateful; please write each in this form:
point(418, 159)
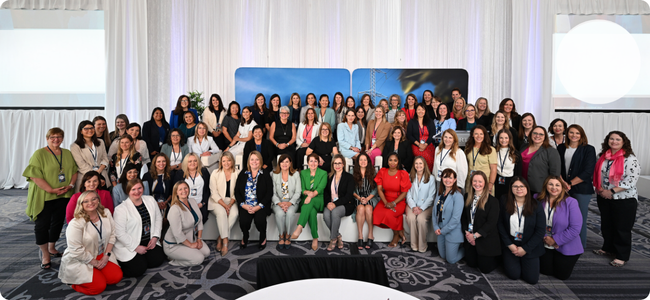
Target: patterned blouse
point(251, 190)
point(628, 181)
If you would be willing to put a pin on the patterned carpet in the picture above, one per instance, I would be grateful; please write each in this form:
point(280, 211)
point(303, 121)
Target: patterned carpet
point(423, 275)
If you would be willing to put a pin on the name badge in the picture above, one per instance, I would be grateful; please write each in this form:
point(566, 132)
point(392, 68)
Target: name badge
point(161, 200)
point(422, 141)
point(196, 231)
point(470, 228)
point(519, 236)
point(502, 180)
point(373, 141)
point(95, 168)
point(439, 173)
point(471, 172)
point(147, 230)
point(61, 177)
point(218, 126)
point(101, 247)
point(549, 230)
point(194, 192)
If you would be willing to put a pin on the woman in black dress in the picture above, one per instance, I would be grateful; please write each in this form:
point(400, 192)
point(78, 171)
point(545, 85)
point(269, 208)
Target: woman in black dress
point(324, 146)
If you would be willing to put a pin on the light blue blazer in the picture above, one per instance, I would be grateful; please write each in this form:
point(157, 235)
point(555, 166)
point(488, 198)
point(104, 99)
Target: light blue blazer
point(329, 118)
point(421, 195)
point(348, 138)
point(119, 196)
point(446, 124)
point(451, 212)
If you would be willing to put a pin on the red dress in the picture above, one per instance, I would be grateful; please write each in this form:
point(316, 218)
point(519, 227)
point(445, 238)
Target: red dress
point(429, 151)
point(393, 187)
point(410, 114)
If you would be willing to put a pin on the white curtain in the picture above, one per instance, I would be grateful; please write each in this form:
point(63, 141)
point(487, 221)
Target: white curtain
point(25, 133)
point(53, 4)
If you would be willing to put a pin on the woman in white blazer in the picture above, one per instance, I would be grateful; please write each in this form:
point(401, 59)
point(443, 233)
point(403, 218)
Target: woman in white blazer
point(87, 263)
point(204, 146)
point(286, 197)
point(418, 200)
point(89, 153)
point(222, 199)
point(138, 223)
point(307, 132)
point(183, 244)
point(450, 156)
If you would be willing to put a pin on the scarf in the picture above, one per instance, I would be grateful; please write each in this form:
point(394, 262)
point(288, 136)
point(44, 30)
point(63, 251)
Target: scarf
point(615, 171)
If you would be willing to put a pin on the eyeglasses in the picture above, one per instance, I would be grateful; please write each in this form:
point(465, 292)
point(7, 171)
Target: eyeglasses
point(95, 199)
point(56, 137)
point(185, 101)
point(518, 187)
point(538, 134)
point(470, 110)
point(324, 129)
point(284, 113)
point(88, 128)
point(338, 163)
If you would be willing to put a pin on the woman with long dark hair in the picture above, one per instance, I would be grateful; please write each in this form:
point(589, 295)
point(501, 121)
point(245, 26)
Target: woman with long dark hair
point(89, 152)
point(447, 213)
point(366, 195)
point(508, 163)
point(420, 133)
point(259, 110)
point(155, 131)
point(214, 116)
point(182, 105)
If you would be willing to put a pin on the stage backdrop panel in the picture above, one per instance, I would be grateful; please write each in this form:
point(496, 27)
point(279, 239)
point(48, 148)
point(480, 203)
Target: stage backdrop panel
point(285, 81)
point(406, 81)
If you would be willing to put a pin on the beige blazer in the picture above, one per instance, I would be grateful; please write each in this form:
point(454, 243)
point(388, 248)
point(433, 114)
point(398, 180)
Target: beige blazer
point(382, 134)
point(85, 162)
point(211, 119)
point(128, 227)
point(83, 243)
point(181, 224)
point(218, 187)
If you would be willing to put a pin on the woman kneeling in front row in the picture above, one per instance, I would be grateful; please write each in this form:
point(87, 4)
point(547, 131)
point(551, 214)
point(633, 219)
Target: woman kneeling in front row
point(138, 223)
point(87, 263)
point(183, 244)
point(521, 226)
point(447, 211)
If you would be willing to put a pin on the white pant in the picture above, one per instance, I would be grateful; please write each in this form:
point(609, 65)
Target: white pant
point(225, 222)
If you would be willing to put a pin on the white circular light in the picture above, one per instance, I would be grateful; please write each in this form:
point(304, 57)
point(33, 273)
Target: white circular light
point(598, 62)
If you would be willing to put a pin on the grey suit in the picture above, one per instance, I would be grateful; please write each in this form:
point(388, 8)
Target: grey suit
point(285, 219)
point(545, 162)
point(451, 233)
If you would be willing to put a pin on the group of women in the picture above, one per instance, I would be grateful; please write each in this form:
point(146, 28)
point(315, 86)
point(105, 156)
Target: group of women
point(517, 194)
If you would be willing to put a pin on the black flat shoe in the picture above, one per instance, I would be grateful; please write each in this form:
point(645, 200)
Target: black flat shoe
point(360, 244)
point(369, 243)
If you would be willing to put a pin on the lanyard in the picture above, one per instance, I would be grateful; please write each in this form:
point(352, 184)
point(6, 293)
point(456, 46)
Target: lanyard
point(93, 153)
point(549, 210)
point(99, 230)
point(442, 157)
point(61, 162)
point(377, 123)
point(503, 161)
point(176, 156)
point(196, 217)
point(336, 184)
point(311, 182)
point(609, 165)
point(473, 210)
point(421, 131)
point(308, 132)
point(519, 216)
point(193, 178)
point(123, 163)
point(474, 157)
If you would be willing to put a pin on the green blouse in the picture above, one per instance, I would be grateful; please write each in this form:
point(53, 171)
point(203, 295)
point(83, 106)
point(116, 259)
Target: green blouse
point(320, 182)
point(44, 165)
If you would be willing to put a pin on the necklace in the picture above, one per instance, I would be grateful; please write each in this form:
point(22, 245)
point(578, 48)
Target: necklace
point(284, 128)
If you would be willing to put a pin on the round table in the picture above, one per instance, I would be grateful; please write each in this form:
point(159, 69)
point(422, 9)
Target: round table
point(322, 288)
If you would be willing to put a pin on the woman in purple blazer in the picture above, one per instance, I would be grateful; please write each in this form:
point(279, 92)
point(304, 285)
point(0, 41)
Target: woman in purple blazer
point(563, 225)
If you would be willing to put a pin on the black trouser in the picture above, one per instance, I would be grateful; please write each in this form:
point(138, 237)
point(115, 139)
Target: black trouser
point(485, 264)
point(140, 263)
point(617, 218)
point(553, 263)
point(299, 159)
point(501, 189)
point(245, 220)
point(49, 222)
point(520, 267)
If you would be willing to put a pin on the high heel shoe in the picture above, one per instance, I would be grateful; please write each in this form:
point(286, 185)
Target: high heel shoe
point(360, 244)
point(339, 242)
point(296, 233)
point(243, 244)
point(262, 246)
point(332, 245)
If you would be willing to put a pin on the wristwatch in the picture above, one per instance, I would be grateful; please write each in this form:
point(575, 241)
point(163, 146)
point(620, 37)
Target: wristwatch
point(474, 235)
point(612, 190)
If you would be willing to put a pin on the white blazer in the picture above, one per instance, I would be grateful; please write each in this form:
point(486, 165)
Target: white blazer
point(421, 195)
point(301, 129)
point(210, 118)
point(181, 224)
point(83, 242)
point(207, 144)
point(128, 227)
point(459, 165)
point(218, 187)
point(86, 162)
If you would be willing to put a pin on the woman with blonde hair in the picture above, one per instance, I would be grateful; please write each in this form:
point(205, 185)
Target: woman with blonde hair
point(286, 195)
point(125, 154)
point(418, 207)
point(394, 102)
point(222, 199)
point(197, 178)
point(203, 145)
point(253, 192)
point(399, 119)
point(377, 133)
point(500, 122)
point(458, 109)
point(87, 263)
point(183, 244)
point(479, 223)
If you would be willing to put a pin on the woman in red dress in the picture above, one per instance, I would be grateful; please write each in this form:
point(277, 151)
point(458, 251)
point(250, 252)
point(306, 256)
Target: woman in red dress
point(392, 186)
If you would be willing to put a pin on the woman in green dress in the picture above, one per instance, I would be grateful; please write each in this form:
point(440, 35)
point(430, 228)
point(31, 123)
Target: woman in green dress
point(51, 173)
point(313, 181)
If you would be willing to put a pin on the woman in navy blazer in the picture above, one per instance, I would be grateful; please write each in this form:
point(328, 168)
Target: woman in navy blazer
point(447, 211)
point(521, 227)
point(578, 176)
point(563, 223)
point(155, 131)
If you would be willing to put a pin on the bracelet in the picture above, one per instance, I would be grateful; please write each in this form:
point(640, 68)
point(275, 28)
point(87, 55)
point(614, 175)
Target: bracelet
point(612, 190)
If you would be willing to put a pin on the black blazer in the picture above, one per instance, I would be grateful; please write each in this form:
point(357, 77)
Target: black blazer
point(413, 131)
point(485, 224)
point(486, 120)
point(267, 153)
point(167, 187)
point(151, 136)
point(205, 175)
point(513, 132)
point(516, 120)
point(346, 191)
point(462, 124)
point(264, 190)
point(582, 165)
point(404, 151)
point(534, 228)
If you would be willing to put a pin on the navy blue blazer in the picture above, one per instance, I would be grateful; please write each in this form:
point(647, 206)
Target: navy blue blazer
point(534, 227)
point(582, 166)
point(413, 131)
